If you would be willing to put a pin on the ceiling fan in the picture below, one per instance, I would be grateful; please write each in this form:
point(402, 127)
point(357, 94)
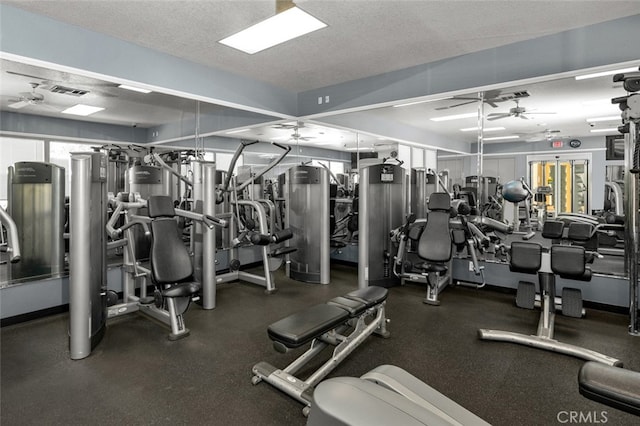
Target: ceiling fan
point(491, 97)
point(543, 135)
point(293, 125)
point(296, 136)
point(27, 98)
point(517, 111)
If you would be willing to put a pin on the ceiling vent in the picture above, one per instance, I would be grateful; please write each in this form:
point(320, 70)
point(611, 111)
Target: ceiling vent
point(68, 91)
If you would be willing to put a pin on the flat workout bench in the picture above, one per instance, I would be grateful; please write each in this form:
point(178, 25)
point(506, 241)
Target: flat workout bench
point(323, 325)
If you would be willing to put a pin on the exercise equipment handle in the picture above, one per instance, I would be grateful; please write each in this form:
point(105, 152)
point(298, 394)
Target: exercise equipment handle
point(13, 245)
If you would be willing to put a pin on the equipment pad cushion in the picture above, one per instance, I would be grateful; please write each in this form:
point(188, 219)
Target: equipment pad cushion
point(354, 307)
point(613, 386)
point(370, 296)
point(301, 327)
point(182, 290)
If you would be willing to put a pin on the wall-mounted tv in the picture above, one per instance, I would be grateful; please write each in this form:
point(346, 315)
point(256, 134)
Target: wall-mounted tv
point(615, 147)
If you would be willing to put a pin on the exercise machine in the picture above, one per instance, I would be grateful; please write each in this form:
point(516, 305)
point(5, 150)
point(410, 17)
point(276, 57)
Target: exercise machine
point(434, 248)
point(36, 204)
point(612, 386)
point(386, 395)
point(307, 216)
point(566, 261)
point(381, 209)
point(12, 243)
point(360, 313)
point(630, 107)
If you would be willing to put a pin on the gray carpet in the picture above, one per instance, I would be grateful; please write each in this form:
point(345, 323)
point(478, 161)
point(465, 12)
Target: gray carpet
point(137, 376)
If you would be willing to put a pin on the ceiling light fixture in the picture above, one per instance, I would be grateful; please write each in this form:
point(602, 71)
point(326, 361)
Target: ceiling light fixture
point(609, 118)
point(421, 102)
point(82, 110)
point(283, 26)
point(237, 131)
point(454, 117)
point(486, 129)
point(134, 89)
point(499, 138)
point(605, 73)
point(611, 129)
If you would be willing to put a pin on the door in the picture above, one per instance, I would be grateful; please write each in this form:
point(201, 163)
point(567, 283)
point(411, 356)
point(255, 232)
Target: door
point(568, 180)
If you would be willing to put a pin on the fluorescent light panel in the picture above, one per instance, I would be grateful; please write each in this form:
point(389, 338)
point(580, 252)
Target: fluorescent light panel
point(611, 129)
point(82, 110)
point(284, 26)
point(134, 89)
point(609, 118)
point(605, 73)
point(421, 102)
point(454, 117)
point(486, 129)
point(499, 138)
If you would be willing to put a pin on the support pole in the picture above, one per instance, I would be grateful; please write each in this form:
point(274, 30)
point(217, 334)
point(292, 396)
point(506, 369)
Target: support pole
point(631, 226)
point(209, 238)
point(79, 248)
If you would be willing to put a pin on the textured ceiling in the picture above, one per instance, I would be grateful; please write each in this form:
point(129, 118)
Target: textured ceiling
point(364, 37)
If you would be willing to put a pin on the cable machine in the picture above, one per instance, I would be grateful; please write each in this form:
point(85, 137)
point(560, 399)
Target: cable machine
point(630, 107)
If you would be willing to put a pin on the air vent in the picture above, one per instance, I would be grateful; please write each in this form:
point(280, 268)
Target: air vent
point(68, 91)
point(523, 94)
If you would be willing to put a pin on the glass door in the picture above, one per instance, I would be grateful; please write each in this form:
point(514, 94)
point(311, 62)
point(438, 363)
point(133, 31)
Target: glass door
point(568, 180)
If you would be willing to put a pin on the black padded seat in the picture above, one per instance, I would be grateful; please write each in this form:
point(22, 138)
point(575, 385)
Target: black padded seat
point(354, 307)
point(370, 296)
point(181, 290)
point(525, 257)
point(432, 267)
point(613, 386)
point(301, 327)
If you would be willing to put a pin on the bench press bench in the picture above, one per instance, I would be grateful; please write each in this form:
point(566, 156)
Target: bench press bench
point(361, 311)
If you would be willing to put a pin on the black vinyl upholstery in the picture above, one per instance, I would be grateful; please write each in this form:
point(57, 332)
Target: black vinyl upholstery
point(525, 257)
point(613, 386)
point(579, 231)
point(570, 262)
point(301, 327)
point(552, 229)
point(160, 206)
point(170, 260)
point(435, 242)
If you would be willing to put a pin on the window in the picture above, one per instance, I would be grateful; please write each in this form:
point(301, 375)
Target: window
point(13, 150)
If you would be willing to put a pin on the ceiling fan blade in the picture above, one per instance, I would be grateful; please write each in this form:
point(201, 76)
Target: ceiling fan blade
point(26, 75)
point(498, 116)
point(18, 105)
point(535, 112)
point(524, 117)
point(456, 105)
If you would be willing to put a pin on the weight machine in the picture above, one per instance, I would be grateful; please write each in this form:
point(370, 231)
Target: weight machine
point(630, 107)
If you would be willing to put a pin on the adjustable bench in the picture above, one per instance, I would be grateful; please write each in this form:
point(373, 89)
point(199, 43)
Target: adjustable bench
point(387, 395)
point(613, 386)
point(361, 311)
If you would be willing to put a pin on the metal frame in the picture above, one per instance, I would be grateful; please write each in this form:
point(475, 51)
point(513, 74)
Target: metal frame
point(543, 339)
point(302, 390)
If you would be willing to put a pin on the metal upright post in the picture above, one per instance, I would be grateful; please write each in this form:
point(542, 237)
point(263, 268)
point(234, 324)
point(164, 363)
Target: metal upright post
point(79, 248)
point(631, 226)
point(209, 238)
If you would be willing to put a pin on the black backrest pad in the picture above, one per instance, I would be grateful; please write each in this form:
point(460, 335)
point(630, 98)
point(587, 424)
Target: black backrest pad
point(568, 261)
point(552, 229)
point(160, 206)
point(435, 242)
point(525, 257)
point(579, 231)
point(370, 296)
point(439, 201)
point(170, 260)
